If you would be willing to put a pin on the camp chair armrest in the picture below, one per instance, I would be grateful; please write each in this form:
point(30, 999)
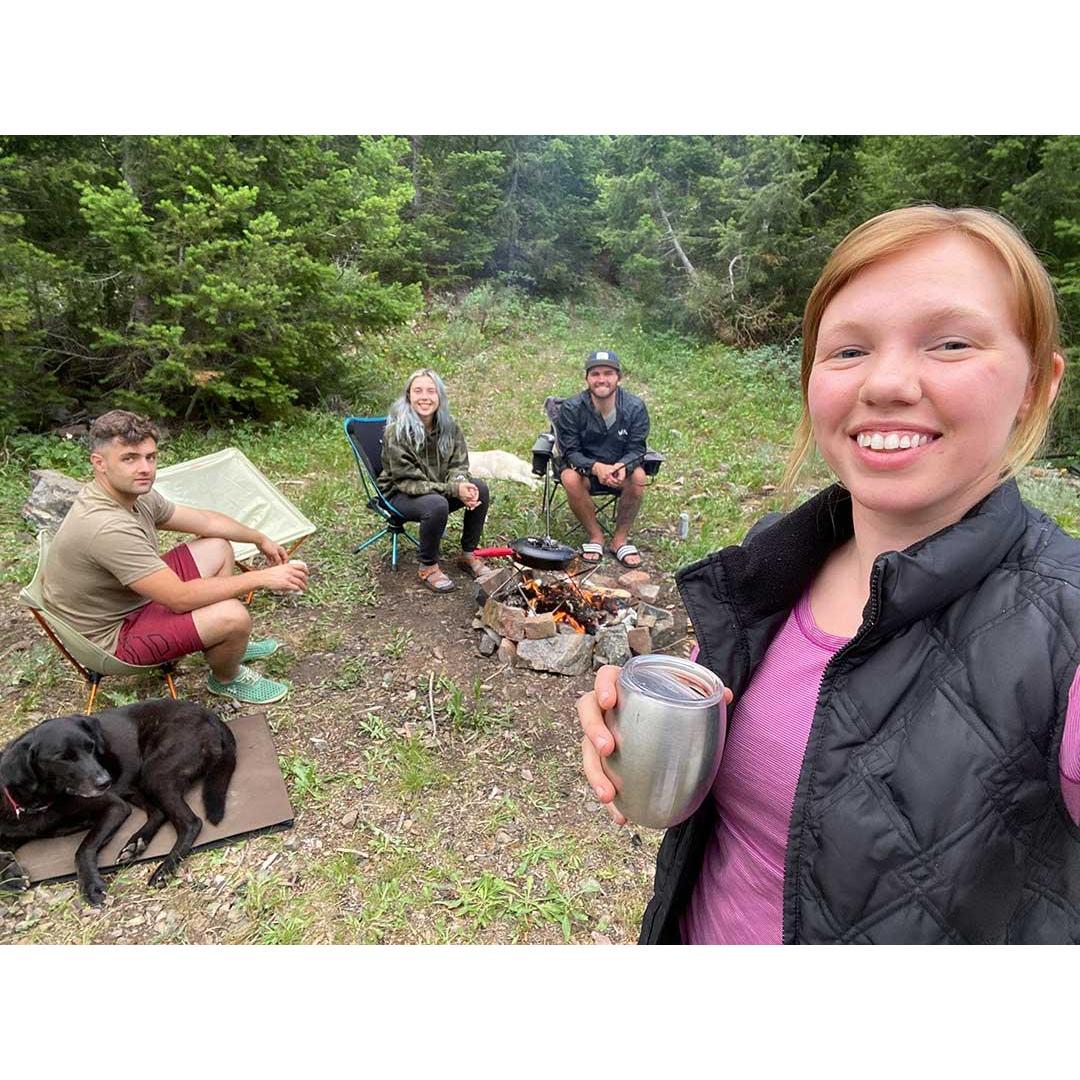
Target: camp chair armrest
point(542, 451)
point(652, 461)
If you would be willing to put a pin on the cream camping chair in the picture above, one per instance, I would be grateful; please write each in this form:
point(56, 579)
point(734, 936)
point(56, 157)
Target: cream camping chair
point(91, 661)
point(228, 482)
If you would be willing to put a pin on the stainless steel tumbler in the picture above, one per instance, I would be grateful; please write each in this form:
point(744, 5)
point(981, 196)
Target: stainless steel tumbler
point(669, 727)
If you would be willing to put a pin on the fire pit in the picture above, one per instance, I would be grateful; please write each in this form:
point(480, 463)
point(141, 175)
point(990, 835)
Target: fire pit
point(568, 624)
point(543, 584)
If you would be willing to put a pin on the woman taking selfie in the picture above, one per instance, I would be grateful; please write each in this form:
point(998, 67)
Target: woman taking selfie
point(903, 756)
point(425, 474)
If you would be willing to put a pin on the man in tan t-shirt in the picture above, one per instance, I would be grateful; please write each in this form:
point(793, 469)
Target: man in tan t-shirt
point(104, 574)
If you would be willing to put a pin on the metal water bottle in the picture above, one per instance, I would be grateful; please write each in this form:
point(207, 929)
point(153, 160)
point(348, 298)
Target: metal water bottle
point(683, 528)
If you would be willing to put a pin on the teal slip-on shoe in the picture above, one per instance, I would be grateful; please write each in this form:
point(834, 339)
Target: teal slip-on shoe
point(260, 650)
point(249, 687)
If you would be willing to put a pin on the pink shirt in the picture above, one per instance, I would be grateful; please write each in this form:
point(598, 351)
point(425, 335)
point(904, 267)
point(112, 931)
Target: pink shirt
point(738, 898)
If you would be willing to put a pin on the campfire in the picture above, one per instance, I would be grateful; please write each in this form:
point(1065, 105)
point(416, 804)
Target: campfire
point(582, 609)
point(569, 623)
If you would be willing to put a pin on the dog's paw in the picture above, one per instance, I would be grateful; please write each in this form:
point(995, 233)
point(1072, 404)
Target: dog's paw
point(131, 850)
point(160, 877)
point(13, 878)
point(94, 891)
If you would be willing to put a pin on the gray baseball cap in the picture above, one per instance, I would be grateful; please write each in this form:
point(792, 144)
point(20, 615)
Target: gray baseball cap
point(602, 359)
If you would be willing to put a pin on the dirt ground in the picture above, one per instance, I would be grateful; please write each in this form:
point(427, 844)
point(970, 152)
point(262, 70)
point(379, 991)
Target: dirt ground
point(437, 793)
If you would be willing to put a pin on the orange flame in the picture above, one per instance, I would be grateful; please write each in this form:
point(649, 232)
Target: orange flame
point(565, 617)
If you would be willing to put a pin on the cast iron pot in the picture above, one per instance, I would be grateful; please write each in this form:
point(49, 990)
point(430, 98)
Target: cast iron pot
point(535, 552)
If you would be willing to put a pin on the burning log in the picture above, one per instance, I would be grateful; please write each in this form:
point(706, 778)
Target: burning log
point(583, 610)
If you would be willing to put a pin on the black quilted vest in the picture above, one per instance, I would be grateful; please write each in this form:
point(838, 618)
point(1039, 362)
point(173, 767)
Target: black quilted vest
point(928, 807)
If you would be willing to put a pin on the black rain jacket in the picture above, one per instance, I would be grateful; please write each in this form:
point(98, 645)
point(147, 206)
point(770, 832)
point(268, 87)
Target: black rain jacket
point(584, 438)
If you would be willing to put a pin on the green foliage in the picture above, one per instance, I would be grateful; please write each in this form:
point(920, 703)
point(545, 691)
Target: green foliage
point(194, 276)
point(457, 194)
point(213, 277)
point(302, 775)
point(719, 233)
point(519, 208)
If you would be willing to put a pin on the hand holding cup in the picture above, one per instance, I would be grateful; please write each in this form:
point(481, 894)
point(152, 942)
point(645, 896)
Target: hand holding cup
point(664, 772)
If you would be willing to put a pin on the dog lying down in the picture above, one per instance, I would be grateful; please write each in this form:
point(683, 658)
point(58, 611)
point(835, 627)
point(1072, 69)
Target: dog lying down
point(76, 772)
point(500, 465)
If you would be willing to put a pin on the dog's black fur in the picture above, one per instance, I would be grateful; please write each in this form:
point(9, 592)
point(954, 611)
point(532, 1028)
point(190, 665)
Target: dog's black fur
point(74, 772)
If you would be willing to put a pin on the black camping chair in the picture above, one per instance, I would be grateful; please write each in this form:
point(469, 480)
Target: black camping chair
point(546, 462)
point(365, 435)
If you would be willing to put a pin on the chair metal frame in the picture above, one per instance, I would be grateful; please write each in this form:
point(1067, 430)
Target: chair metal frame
point(393, 522)
point(91, 661)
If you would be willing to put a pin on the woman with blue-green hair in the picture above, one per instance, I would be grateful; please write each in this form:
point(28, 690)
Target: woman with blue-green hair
point(425, 474)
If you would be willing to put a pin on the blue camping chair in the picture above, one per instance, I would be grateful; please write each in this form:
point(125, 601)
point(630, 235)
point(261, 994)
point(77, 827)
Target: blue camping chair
point(365, 437)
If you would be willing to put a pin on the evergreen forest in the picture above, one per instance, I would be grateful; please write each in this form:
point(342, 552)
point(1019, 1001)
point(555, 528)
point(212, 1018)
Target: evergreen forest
point(206, 278)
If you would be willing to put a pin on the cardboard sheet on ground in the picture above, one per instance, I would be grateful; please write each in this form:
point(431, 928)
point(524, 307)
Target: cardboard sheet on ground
point(257, 802)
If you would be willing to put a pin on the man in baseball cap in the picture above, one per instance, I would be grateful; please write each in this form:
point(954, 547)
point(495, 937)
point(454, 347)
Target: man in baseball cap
point(602, 433)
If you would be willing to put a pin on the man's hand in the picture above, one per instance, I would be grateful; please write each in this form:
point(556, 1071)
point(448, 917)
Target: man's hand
point(612, 476)
point(286, 577)
point(274, 552)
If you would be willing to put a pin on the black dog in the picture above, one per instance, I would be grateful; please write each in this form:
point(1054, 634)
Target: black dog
point(74, 772)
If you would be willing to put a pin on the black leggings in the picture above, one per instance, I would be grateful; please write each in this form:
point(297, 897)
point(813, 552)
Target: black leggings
point(433, 510)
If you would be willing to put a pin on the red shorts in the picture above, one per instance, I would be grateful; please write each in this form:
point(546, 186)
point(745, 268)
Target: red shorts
point(153, 633)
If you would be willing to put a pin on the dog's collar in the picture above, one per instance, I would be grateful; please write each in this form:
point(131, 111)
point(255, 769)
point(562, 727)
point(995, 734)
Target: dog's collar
point(20, 810)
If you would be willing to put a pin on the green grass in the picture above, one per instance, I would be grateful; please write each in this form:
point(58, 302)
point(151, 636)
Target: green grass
point(487, 899)
point(416, 767)
point(466, 710)
point(350, 673)
point(397, 644)
point(303, 778)
point(722, 419)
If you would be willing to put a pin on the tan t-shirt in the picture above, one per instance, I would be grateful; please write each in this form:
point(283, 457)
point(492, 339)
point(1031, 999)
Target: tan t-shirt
point(99, 549)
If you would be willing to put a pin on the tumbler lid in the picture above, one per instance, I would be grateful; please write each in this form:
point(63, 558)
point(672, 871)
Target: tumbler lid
point(673, 680)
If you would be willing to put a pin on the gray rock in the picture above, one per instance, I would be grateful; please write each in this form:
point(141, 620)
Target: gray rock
point(51, 496)
point(507, 651)
point(488, 643)
point(487, 583)
point(564, 654)
point(668, 628)
point(666, 635)
point(612, 644)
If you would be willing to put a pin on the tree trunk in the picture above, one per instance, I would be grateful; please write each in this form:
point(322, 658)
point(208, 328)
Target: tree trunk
point(731, 275)
point(141, 307)
point(688, 266)
point(414, 142)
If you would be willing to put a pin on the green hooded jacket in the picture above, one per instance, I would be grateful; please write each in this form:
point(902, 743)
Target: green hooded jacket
point(423, 471)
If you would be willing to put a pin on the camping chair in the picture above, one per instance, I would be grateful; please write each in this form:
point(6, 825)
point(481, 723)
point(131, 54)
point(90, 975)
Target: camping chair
point(228, 482)
point(547, 462)
point(365, 437)
point(91, 661)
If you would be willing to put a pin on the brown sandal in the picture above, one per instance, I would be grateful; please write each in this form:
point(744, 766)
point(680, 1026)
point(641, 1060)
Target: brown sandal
point(472, 566)
point(433, 577)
